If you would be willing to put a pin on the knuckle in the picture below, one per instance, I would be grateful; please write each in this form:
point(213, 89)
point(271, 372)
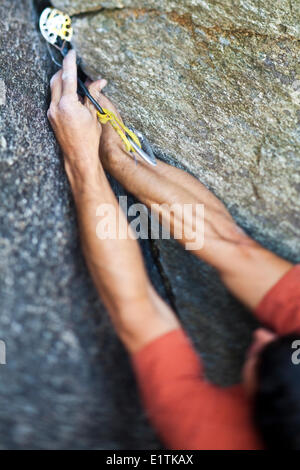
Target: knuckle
point(93, 88)
point(100, 97)
point(65, 107)
point(102, 100)
point(51, 113)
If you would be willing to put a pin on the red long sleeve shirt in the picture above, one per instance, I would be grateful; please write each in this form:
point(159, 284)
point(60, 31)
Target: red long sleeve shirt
point(187, 411)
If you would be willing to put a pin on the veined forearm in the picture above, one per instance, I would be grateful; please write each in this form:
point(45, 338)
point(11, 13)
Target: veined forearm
point(161, 184)
point(166, 190)
point(116, 264)
point(246, 268)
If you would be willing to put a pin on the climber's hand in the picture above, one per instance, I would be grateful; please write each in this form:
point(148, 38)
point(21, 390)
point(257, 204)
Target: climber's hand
point(75, 124)
point(112, 148)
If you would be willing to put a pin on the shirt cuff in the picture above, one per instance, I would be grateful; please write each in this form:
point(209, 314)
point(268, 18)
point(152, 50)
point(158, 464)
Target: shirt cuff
point(280, 308)
point(166, 352)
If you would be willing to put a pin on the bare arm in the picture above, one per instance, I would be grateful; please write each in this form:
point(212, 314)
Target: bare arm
point(116, 265)
point(117, 268)
point(247, 269)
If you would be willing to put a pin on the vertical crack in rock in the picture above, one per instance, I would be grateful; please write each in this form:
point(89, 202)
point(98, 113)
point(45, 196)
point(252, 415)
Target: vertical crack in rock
point(60, 387)
point(208, 87)
point(167, 290)
point(164, 277)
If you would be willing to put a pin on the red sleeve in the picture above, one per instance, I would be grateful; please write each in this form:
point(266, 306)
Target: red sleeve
point(187, 411)
point(280, 308)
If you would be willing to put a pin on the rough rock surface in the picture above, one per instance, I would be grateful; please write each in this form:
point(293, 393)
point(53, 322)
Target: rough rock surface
point(220, 102)
point(215, 88)
point(67, 382)
point(250, 14)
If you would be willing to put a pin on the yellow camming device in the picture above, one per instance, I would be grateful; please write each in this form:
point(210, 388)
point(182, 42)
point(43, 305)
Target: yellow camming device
point(56, 28)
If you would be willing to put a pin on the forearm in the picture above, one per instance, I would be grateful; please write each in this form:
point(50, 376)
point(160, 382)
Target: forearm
point(161, 184)
point(113, 257)
point(116, 264)
point(166, 190)
point(247, 269)
point(165, 186)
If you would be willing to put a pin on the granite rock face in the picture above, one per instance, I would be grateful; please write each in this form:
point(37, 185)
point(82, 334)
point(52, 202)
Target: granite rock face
point(215, 87)
point(263, 17)
point(221, 99)
point(67, 382)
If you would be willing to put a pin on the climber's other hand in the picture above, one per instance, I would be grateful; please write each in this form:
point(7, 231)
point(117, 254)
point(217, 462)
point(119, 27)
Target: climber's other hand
point(112, 149)
point(75, 124)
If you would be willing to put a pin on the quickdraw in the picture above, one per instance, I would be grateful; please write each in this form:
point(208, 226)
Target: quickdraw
point(56, 28)
point(120, 128)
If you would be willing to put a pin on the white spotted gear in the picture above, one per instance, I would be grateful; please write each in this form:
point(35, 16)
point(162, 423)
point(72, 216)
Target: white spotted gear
point(56, 28)
point(55, 24)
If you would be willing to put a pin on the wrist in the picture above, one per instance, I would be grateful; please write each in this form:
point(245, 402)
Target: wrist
point(112, 157)
point(84, 177)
